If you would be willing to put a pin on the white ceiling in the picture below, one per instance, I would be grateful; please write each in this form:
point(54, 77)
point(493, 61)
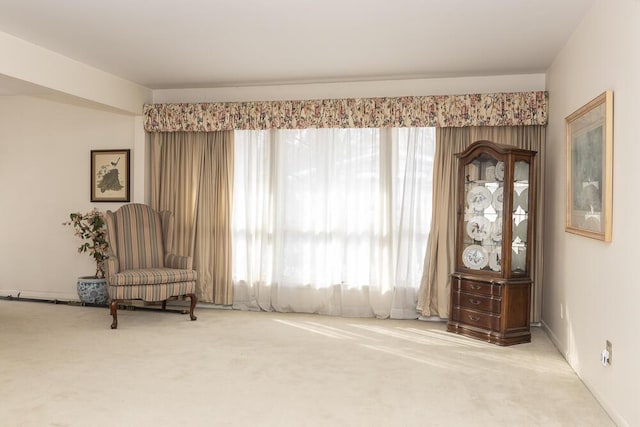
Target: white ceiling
point(211, 43)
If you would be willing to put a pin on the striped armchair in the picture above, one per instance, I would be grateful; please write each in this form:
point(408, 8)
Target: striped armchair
point(141, 265)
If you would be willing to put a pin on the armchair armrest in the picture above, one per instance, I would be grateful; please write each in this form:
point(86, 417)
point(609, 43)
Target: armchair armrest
point(178, 261)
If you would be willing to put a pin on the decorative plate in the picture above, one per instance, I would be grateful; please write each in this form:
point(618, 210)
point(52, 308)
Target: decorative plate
point(479, 228)
point(518, 258)
point(475, 257)
point(490, 173)
point(520, 229)
point(522, 200)
point(498, 195)
point(496, 230)
point(479, 198)
point(494, 259)
point(521, 172)
point(500, 171)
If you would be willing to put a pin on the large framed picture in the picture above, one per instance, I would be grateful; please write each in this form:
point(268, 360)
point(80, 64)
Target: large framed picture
point(589, 169)
point(110, 175)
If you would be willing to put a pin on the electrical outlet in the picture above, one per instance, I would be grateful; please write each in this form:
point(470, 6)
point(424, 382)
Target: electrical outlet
point(609, 348)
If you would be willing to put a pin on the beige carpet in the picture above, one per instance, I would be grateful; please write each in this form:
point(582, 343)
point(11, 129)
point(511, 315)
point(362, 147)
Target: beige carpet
point(62, 366)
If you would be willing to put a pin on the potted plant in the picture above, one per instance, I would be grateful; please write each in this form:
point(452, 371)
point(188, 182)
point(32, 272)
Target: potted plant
point(90, 227)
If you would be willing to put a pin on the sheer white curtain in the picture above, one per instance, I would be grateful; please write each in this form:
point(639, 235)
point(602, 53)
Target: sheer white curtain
point(331, 221)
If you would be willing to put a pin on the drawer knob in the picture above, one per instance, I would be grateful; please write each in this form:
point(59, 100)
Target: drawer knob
point(474, 318)
point(474, 301)
point(475, 287)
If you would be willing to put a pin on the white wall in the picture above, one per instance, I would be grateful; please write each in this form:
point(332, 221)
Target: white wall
point(45, 141)
point(365, 89)
point(45, 144)
point(49, 71)
point(44, 174)
point(591, 288)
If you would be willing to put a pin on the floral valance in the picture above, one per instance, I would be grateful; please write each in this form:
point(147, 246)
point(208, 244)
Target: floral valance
point(496, 109)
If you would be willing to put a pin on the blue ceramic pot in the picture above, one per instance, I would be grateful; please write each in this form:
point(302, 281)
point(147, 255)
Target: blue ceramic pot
point(93, 291)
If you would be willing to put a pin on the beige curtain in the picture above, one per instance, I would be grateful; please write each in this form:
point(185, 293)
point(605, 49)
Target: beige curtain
point(440, 255)
point(192, 176)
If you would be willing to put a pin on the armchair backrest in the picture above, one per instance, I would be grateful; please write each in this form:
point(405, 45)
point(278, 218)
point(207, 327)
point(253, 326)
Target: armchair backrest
point(138, 236)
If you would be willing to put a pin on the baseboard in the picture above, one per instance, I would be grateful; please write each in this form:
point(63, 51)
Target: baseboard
point(72, 297)
point(556, 342)
point(43, 295)
point(214, 306)
point(615, 417)
point(432, 319)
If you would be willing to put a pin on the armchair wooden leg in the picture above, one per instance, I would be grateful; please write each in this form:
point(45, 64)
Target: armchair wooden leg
point(164, 305)
point(113, 307)
point(194, 301)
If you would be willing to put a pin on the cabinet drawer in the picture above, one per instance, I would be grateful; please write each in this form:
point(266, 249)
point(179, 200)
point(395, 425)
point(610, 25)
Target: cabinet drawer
point(477, 287)
point(476, 302)
point(476, 318)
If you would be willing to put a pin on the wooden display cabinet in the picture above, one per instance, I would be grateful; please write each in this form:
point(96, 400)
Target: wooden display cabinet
point(491, 287)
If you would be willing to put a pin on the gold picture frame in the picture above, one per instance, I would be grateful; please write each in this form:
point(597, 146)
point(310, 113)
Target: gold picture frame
point(110, 175)
point(589, 140)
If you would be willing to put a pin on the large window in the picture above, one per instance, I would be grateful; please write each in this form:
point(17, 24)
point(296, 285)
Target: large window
point(331, 221)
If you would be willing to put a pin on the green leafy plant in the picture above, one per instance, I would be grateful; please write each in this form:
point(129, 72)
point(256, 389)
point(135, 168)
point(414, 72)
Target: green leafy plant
point(90, 227)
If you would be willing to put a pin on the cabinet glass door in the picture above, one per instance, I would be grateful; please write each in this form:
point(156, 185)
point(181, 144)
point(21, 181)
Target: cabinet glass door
point(482, 225)
point(520, 217)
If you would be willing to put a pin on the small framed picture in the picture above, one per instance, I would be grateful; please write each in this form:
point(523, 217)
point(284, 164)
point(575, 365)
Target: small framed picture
point(590, 169)
point(110, 175)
